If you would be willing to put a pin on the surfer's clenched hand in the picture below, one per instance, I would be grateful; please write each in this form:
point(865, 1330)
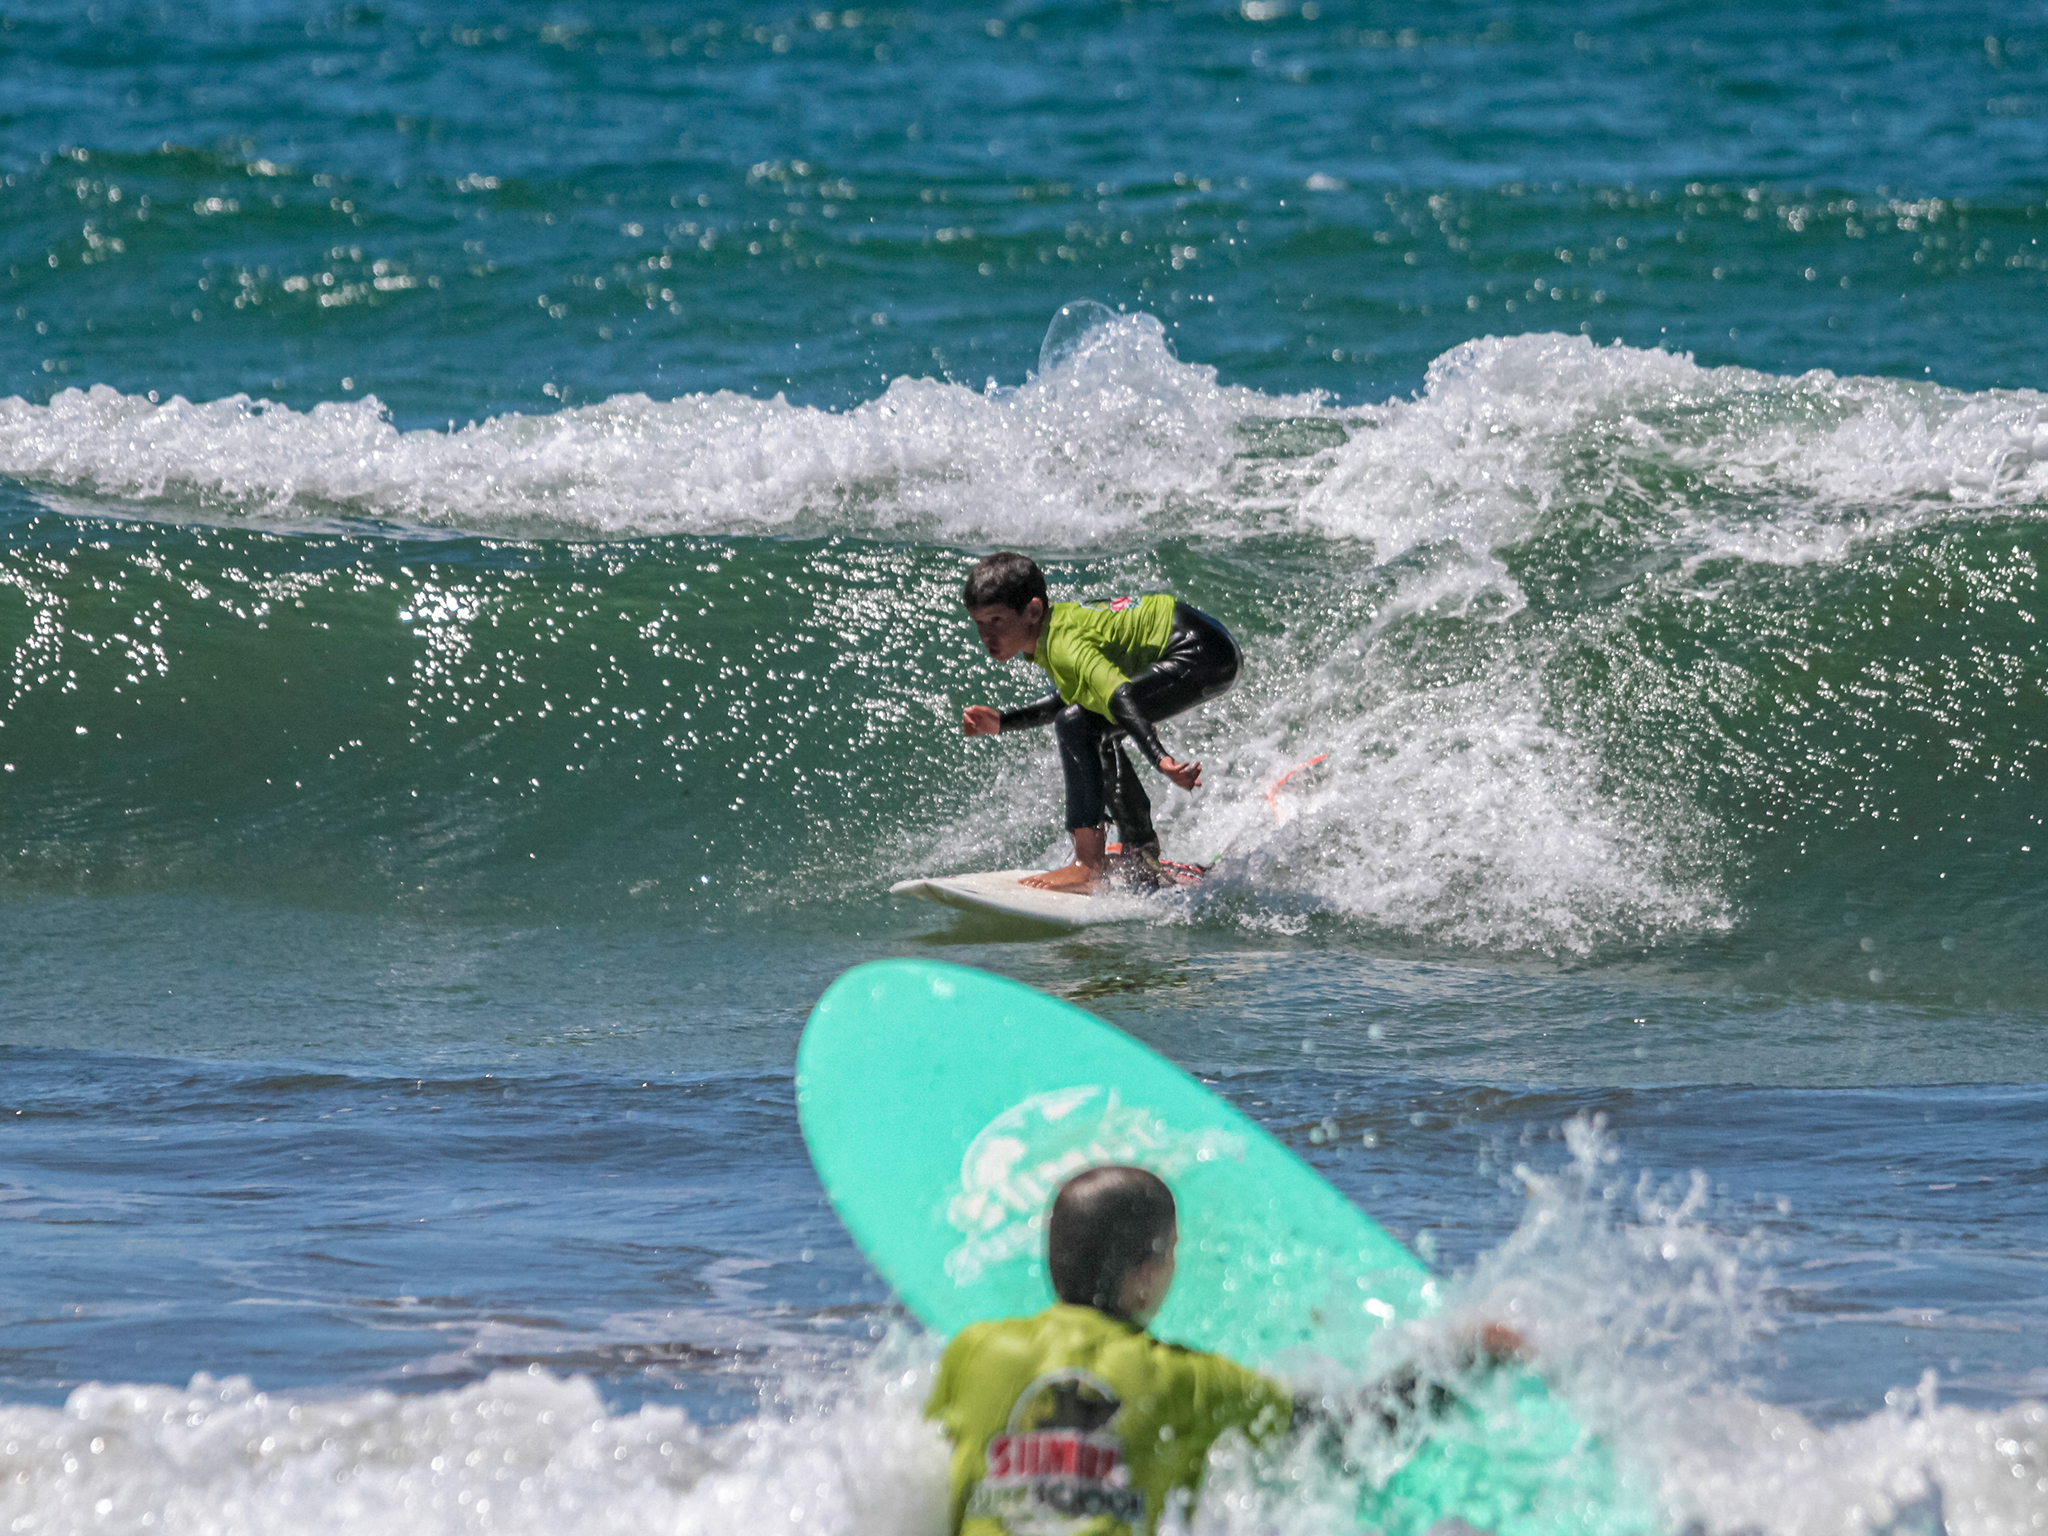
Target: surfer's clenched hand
point(979, 720)
point(1186, 775)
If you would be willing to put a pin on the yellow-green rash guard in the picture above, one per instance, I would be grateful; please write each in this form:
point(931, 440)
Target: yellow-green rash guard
point(1091, 652)
point(1078, 1421)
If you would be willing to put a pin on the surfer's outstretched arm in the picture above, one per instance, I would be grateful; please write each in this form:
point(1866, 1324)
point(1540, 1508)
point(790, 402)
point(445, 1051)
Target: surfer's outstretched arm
point(1032, 716)
point(982, 720)
point(1426, 1388)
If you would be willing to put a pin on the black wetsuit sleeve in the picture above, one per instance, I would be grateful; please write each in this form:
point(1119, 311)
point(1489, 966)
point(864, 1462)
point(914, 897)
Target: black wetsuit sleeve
point(1032, 715)
point(1389, 1403)
point(1124, 709)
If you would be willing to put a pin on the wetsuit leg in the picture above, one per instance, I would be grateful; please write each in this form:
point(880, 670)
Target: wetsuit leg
point(1083, 738)
point(1124, 795)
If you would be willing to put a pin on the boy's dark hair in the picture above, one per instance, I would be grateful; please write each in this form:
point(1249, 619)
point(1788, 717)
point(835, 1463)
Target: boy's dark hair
point(1105, 1223)
point(1010, 579)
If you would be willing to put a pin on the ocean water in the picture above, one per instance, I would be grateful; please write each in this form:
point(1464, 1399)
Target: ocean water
point(483, 492)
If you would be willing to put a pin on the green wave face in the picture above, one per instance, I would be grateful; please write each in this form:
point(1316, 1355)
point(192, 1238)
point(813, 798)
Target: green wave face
point(458, 723)
point(1612, 659)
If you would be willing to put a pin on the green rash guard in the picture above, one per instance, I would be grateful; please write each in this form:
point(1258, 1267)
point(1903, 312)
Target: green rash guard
point(1079, 1422)
point(1091, 652)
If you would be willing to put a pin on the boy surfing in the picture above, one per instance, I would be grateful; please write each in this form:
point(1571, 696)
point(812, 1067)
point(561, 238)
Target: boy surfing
point(1115, 671)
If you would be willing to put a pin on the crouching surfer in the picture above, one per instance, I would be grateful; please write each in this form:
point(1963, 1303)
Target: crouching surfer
point(1077, 1419)
point(1115, 670)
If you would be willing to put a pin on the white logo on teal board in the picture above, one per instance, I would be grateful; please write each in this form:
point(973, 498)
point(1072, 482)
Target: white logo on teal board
point(1016, 1165)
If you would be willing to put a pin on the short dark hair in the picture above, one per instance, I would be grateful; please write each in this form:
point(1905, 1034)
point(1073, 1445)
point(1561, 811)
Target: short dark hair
point(1008, 578)
point(1105, 1223)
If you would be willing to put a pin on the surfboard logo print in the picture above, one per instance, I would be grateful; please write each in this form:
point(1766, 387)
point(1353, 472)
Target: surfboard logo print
point(1014, 1167)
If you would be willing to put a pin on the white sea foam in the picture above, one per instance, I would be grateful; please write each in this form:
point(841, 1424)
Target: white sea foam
point(1485, 452)
point(522, 1451)
point(1612, 1269)
point(1457, 814)
point(1509, 432)
point(1119, 440)
point(1640, 1306)
point(1122, 433)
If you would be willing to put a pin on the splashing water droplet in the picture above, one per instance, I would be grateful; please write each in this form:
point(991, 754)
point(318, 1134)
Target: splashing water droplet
point(1070, 327)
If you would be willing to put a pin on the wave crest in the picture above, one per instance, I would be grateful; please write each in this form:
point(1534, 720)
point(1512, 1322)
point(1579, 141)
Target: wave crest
point(1117, 435)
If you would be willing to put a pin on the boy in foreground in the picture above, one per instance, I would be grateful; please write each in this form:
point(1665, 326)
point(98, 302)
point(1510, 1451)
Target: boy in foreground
point(1115, 671)
point(1079, 1414)
point(1079, 1420)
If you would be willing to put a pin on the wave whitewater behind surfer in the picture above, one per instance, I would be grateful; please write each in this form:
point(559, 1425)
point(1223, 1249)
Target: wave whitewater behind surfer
point(1116, 670)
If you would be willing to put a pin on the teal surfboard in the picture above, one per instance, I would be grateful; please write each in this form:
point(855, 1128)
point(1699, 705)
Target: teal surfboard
point(943, 1108)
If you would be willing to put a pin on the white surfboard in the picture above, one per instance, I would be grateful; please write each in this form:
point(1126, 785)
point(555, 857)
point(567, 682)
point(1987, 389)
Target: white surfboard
point(1000, 891)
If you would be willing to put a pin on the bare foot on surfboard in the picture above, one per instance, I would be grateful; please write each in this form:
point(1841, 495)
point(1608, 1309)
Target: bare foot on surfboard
point(1078, 878)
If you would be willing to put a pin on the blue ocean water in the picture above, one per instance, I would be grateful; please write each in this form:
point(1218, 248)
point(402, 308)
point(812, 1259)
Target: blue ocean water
point(482, 501)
